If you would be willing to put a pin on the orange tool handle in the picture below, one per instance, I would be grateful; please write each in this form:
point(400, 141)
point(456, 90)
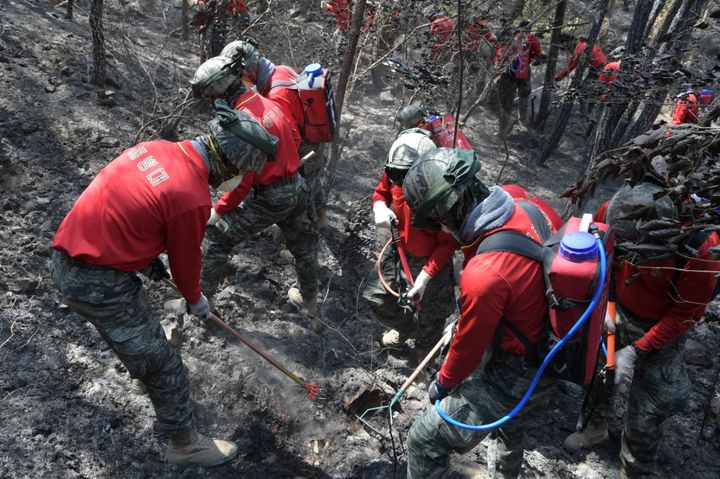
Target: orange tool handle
point(611, 337)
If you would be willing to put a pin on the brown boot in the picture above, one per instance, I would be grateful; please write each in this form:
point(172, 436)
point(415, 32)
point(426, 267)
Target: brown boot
point(585, 439)
point(192, 447)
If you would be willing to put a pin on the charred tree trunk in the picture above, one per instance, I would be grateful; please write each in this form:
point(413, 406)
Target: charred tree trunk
point(679, 28)
point(98, 39)
point(567, 103)
point(549, 85)
point(69, 11)
point(184, 19)
point(358, 15)
point(657, 8)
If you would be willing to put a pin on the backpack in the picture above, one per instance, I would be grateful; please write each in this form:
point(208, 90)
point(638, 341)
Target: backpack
point(442, 127)
point(318, 103)
point(569, 290)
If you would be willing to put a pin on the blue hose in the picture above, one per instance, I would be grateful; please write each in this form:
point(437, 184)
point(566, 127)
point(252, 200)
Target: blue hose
point(604, 348)
point(546, 361)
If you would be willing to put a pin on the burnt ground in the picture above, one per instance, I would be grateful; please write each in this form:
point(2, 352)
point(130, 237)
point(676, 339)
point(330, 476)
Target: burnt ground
point(65, 406)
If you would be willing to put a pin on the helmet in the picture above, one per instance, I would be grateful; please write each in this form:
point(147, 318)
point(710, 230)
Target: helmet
point(246, 52)
point(436, 182)
point(410, 116)
point(409, 146)
point(645, 201)
point(215, 78)
point(617, 53)
point(239, 153)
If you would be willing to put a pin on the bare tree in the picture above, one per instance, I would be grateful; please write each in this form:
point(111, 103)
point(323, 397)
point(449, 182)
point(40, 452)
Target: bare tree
point(567, 103)
point(98, 39)
point(69, 11)
point(184, 19)
point(549, 84)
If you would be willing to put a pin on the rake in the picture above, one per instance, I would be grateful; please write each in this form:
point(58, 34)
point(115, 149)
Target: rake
point(311, 388)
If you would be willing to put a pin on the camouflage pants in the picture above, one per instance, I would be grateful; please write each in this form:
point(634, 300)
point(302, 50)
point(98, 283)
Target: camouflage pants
point(489, 394)
point(284, 203)
point(507, 87)
point(114, 302)
point(660, 388)
point(437, 304)
point(312, 172)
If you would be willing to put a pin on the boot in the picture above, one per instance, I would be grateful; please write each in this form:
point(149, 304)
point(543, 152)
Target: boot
point(322, 220)
point(307, 306)
point(393, 338)
point(138, 387)
point(590, 436)
point(192, 447)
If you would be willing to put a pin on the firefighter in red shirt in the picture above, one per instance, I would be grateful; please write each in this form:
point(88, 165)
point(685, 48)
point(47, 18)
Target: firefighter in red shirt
point(686, 107)
point(658, 301)
point(276, 195)
point(513, 58)
point(151, 199)
point(277, 82)
point(440, 126)
point(596, 61)
point(429, 254)
point(443, 188)
point(439, 32)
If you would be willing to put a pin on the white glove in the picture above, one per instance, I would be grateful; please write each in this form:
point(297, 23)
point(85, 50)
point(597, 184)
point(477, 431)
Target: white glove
point(625, 364)
point(383, 215)
point(609, 324)
point(448, 334)
point(201, 309)
point(418, 289)
point(214, 217)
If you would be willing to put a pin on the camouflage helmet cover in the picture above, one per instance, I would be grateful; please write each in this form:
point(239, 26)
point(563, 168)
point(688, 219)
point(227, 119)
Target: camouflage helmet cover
point(239, 153)
point(246, 51)
point(213, 78)
point(410, 116)
point(645, 201)
point(434, 183)
point(410, 145)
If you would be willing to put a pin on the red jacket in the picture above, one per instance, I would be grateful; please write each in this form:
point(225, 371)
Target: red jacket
point(673, 300)
point(609, 73)
point(286, 162)
point(520, 193)
point(474, 33)
point(154, 197)
point(521, 54)
point(686, 110)
point(597, 59)
point(437, 246)
point(340, 10)
point(286, 98)
point(440, 30)
point(493, 286)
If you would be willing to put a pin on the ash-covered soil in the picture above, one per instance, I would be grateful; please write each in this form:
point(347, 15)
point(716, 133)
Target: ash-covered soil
point(66, 410)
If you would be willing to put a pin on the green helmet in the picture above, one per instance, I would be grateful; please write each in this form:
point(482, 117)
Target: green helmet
point(216, 78)
point(645, 201)
point(245, 52)
point(435, 183)
point(410, 145)
point(411, 116)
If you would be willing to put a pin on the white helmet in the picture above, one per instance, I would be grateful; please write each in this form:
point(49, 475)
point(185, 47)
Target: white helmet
point(410, 145)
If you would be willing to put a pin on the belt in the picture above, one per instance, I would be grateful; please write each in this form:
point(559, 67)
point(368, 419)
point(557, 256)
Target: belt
point(289, 180)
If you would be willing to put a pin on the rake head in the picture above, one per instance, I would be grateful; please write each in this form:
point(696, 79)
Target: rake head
point(312, 389)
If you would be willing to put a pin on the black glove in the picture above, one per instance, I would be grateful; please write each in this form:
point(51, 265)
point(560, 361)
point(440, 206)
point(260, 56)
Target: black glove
point(155, 271)
point(436, 391)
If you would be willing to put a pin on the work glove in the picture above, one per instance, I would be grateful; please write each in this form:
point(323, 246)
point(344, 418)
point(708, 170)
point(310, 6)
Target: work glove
point(155, 270)
point(201, 309)
point(625, 364)
point(418, 289)
point(447, 336)
point(436, 391)
point(383, 215)
point(609, 325)
point(214, 217)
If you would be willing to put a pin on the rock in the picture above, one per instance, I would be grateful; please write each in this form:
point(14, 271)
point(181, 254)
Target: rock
point(697, 354)
point(23, 285)
point(109, 142)
point(67, 71)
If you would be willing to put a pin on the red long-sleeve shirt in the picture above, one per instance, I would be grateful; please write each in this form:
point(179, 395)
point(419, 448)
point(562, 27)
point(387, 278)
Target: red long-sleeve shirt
point(520, 193)
point(673, 300)
point(286, 98)
point(523, 51)
point(154, 197)
point(474, 33)
point(440, 30)
point(442, 128)
point(286, 162)
point(340, 10)
point(493, 286)
point(437, 246)
point(686, 110)
point(597, 59)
